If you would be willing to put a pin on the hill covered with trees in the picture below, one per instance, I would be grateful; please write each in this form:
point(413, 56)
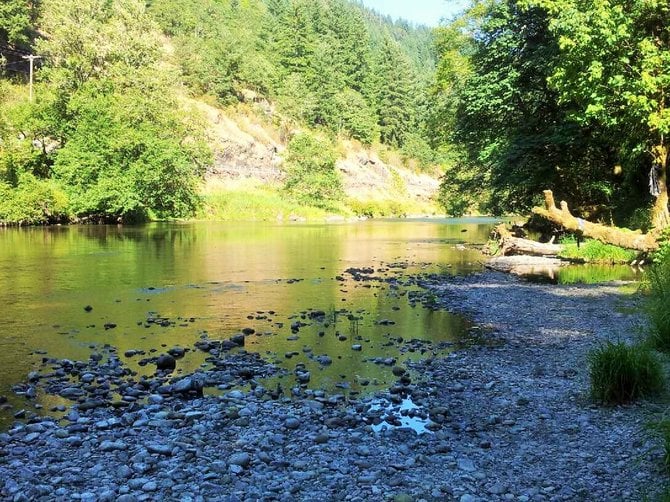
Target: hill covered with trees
point(112, 132)
point(511, 98)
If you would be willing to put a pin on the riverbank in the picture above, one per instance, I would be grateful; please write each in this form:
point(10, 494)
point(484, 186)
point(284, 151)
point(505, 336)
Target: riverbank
point(510, 420)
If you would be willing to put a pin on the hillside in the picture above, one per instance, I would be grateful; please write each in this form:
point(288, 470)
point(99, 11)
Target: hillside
point(248, 164)
point(206, 108)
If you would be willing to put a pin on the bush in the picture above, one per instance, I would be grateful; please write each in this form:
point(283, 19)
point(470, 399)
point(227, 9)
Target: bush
point(374, 208)
point(658, 302)
point(622, 373)
point(32, 201)
point(311, 175)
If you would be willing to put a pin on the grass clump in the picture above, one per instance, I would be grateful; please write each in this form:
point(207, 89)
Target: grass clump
point(621, 373)
point(593, 251)
point(658, 304)
point(664, 429)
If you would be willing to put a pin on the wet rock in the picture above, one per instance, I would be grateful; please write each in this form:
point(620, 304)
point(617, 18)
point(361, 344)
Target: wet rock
point(166, 362)
point(238, 340)
point(177, 352)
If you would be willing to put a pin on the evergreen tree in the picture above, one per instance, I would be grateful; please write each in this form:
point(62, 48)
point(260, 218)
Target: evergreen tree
point(395, 94)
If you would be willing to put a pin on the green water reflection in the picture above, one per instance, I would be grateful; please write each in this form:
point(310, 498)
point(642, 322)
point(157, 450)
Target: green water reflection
point(226, 277)
point(220, 274)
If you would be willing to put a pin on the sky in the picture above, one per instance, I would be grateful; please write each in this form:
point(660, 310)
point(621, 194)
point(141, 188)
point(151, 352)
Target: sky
point(428, 12)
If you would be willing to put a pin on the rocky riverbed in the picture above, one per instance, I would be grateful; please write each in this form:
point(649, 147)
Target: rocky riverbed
point(505, 419)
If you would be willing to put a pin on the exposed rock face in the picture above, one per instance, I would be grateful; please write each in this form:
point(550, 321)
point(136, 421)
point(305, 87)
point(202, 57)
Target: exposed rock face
point(245, 149)
point(239, 154)
point(366, 176)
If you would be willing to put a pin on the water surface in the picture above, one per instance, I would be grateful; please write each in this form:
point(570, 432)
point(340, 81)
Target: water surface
point(218, 278)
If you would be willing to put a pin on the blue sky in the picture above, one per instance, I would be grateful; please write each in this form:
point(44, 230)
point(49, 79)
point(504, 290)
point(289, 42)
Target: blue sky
point(428, 12)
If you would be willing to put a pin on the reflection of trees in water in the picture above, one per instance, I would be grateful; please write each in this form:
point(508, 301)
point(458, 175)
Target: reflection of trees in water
point(49, 274)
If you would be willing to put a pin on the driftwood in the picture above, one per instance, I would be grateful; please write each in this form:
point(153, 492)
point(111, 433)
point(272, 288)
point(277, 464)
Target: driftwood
point(511, 245)
point(526, 265)
point(624, 238)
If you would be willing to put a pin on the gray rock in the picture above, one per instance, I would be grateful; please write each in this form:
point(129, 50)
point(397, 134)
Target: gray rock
point(112, 445)
point(241, 459)
point(159, 449)
point(71, 392)
point(150, 486)
point(29, 438)
point(184, 385)
point(467, 465)
point(166, 362)
point(292, 423)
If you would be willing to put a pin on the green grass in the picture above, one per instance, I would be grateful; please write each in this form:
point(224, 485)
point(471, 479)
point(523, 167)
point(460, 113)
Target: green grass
point(621, 373)
point(658, 304)
point(256, 204)
point(595, 274)
point(592, 251)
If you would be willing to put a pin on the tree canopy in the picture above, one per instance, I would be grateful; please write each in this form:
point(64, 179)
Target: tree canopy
point(560, 94)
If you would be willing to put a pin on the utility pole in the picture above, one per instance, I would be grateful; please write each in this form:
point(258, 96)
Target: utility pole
point(32, 59)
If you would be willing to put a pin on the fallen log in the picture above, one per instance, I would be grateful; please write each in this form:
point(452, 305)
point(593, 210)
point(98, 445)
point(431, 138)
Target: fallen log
point(526, 265)
point(512, 245)
point(622, 237)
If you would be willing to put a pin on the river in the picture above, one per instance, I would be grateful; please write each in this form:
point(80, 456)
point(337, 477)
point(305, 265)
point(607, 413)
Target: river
point(68, 291)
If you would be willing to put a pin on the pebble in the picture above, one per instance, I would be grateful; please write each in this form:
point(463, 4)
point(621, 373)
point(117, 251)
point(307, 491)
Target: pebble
point(242, 459)
point(501, 429)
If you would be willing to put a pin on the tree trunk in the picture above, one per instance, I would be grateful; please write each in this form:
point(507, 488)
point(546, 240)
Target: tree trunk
point(511, 245)
point(621, 237)
point(660, 217)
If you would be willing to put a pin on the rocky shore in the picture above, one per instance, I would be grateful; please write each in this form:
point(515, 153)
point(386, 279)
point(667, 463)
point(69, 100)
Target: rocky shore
point(508, 418)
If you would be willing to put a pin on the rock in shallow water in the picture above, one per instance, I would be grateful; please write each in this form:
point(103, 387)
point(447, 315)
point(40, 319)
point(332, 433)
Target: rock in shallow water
point(166, 362)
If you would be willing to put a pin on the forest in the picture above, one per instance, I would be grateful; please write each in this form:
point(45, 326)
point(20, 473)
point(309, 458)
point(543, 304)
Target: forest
point(508, 99)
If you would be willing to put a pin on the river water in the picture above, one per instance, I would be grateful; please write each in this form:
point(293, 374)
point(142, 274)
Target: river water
point(218, 278)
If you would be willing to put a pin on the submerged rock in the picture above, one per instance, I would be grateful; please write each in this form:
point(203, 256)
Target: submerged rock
point(166, 362)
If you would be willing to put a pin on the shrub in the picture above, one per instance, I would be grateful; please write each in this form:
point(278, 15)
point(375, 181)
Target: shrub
point(657, 304)
point(311, 175)
point(33, 201)
point(622, 373)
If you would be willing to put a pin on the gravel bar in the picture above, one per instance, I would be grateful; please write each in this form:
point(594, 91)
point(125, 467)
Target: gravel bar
point(508, 418)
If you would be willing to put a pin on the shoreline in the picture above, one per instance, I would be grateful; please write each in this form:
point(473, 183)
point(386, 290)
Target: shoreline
point(511, 420)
